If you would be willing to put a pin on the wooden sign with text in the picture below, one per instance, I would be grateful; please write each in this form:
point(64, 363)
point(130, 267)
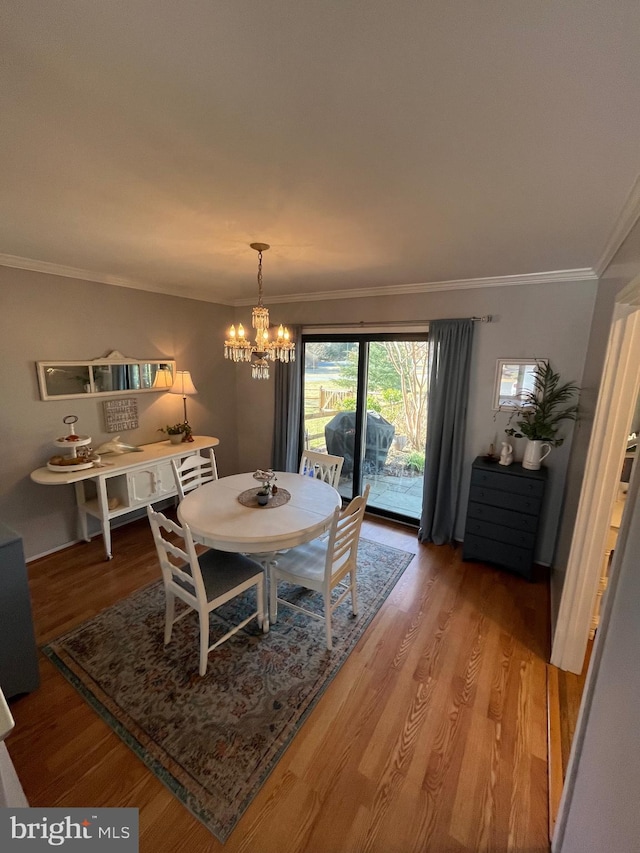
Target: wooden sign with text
point(120, 415)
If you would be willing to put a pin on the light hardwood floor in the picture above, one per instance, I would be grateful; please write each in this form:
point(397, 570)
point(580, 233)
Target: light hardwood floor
point(564, 695)
point(432, 737)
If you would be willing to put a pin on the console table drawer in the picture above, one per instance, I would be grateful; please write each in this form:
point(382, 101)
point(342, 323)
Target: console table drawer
point(505, 517)
point(502, 480)
point(506, 500)
point(152, 483)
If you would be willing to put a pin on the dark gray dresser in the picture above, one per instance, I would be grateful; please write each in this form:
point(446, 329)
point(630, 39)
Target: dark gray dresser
point(18, 654)
point(504, 508)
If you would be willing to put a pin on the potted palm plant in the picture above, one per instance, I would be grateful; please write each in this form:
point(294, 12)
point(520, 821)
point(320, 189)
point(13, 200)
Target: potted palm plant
point(543, 409)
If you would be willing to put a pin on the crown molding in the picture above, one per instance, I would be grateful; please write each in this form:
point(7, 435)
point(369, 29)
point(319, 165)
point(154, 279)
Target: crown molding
point(555, 277)
point(628, 217)
point(32, 265)
point(68, 272)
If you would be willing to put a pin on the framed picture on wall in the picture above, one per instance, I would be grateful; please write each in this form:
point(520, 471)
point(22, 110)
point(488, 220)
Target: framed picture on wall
point(514, 377)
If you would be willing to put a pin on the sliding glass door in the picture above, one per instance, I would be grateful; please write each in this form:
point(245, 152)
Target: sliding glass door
point(365, 398)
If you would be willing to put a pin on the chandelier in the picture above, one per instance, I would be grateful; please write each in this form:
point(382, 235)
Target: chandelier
point(263, 350)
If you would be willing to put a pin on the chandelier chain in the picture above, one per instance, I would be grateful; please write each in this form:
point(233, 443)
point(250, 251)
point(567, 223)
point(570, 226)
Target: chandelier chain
point(260, 278)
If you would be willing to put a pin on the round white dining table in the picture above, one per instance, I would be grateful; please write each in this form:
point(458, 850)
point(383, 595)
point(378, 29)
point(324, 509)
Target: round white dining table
point(218, 519)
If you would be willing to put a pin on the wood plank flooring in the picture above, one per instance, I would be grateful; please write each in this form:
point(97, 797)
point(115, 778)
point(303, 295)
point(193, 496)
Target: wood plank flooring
point(564, 695)
point(432, 737)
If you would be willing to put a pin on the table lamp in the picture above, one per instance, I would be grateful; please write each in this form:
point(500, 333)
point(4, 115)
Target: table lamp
point(183, 384)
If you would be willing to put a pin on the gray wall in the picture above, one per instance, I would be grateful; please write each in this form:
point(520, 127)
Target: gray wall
point(543, 320)
point(49, 317)
point(46, 318)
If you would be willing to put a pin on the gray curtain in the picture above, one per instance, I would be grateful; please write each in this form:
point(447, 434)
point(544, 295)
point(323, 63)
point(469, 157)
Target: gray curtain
point(450, 355)
point(285, 451)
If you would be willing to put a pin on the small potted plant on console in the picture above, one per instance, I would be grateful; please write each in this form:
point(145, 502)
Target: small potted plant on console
point(177, 433)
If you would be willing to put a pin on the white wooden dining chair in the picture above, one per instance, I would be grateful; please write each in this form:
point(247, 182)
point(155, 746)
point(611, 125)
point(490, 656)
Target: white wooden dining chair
point(194, 471)
point(203, 582)
point(322, 565)
point(324, 466)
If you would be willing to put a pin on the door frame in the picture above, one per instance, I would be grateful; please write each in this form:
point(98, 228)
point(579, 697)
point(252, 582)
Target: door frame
point(614, 411)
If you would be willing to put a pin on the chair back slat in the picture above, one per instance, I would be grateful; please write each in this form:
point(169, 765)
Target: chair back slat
point(193, 472)
point(344, 536)
point(323, 466)
point(184, 566)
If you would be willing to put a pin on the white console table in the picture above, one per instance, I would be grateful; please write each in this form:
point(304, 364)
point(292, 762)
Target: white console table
point(128, 482)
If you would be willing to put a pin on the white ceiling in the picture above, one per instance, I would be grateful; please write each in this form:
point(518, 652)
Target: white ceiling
point(372, 143)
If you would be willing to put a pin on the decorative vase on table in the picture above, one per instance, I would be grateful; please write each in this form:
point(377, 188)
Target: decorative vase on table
point(267, 478)
point(176, 437)
point(533, 454)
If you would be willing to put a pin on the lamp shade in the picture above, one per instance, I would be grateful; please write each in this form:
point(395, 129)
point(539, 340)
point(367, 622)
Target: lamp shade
point(183, 384)
point(163, 380)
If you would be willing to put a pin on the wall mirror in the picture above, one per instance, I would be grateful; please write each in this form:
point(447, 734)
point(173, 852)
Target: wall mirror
point(112, 375)
point(513, 377)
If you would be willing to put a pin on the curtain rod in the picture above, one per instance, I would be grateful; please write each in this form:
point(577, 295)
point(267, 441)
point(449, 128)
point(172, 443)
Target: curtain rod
point(487, 318)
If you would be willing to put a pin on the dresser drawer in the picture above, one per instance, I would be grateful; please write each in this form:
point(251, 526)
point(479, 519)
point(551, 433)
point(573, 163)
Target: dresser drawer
point(506, 500)
point(511, 557)
point(504, 482)
point(505, 517)
point(509, 535)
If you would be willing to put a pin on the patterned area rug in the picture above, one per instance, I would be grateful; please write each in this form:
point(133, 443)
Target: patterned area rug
point(214, 740)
